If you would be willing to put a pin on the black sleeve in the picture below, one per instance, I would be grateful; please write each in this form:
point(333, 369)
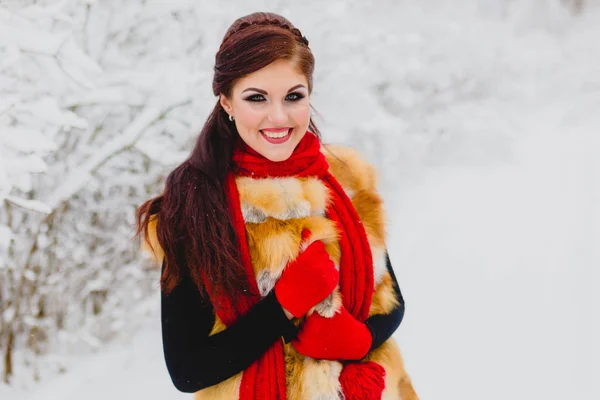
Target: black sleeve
point(196, 360)
point(382, 326)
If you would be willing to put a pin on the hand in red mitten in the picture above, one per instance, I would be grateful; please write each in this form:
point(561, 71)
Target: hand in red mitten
point(307, 280)
point(341, 337)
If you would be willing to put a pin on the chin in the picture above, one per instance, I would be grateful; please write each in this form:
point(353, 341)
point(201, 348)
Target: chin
point(278, 153)
point(279, 156)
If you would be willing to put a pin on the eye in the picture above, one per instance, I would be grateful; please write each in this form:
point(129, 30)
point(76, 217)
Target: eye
point(295, 96)
point(255, 98)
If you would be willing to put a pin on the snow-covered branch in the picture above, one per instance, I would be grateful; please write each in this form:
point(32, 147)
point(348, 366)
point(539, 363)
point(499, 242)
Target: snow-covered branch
point(83, 173)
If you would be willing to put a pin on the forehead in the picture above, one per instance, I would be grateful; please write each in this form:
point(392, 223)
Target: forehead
point(277, 76)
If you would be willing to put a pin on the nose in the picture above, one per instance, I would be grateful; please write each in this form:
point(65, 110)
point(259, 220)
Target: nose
point(277, 115)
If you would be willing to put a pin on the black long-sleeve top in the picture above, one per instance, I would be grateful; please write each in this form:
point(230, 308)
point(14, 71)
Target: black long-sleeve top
point(196, 360)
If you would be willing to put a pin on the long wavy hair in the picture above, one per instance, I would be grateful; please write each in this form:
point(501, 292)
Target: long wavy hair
point(194, 227)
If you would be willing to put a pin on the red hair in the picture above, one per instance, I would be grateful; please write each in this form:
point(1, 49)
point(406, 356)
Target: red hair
point(194, 226)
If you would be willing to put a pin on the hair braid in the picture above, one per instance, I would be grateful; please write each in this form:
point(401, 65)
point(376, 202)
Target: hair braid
point(268, 20)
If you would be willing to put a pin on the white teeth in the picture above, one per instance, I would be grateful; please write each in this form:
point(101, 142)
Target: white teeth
point(276, 135)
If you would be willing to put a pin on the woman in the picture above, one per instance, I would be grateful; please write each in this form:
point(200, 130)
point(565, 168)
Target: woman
point(275, 279)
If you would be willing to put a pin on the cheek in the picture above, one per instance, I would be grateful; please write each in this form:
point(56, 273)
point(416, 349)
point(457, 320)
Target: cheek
point(249, 116)
point(301, 115)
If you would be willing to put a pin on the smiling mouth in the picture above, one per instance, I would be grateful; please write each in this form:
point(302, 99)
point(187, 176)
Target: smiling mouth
point(277, 136)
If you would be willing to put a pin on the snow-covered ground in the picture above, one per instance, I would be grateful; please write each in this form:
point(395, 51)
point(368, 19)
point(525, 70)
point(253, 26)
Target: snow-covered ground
point(131, 369)
point(494, 226)
point(499, 270)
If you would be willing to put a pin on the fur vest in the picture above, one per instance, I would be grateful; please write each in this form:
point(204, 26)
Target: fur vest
point(275, 210)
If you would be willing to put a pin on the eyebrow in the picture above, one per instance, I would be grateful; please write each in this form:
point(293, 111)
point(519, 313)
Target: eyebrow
point(265, 92)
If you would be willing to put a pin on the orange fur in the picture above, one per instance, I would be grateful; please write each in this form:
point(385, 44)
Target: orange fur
point(294, 368)
point(316, 193)
point(273, 243)
point(150, 244)
point(384, 298)
point(265, 193)
point(369, 206)
point(219, 326)
point(350, 169)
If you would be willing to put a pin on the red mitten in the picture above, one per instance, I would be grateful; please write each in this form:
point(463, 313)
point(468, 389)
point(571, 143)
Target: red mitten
point(363, 381)
point(340, 337)
point(307, 280)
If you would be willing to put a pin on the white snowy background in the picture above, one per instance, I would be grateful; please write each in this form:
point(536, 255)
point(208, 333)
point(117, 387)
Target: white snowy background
point(482, 115)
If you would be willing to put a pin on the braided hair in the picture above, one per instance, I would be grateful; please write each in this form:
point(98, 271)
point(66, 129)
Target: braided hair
point(264, 19)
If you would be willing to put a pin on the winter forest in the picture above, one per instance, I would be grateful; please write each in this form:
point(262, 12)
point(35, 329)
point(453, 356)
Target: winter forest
point(483, 117)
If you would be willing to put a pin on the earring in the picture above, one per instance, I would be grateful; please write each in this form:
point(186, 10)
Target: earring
point(231, 118)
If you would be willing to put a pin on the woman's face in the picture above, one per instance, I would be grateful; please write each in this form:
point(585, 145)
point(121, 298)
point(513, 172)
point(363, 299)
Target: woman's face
point(271, 109)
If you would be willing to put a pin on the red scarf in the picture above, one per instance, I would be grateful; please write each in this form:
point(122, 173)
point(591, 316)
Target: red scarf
point(265, 378)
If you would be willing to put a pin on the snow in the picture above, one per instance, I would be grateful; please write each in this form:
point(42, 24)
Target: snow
point(48, 110)
point(497, 267)
point(81, 175)
point(26, 140)
point(24, 34)
point(5, 238)
point(32, 205)
point(131, 369)
point(482, 116)
point(28, 164)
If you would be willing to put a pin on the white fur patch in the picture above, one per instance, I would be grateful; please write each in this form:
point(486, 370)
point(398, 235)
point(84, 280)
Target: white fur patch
point(328, 307)
point(318, 213)
point(349, 192)
point(252, 214)
point(317, 194)
point(321, 379)
point(379, 264)
point(295, 210)
point(266, 280)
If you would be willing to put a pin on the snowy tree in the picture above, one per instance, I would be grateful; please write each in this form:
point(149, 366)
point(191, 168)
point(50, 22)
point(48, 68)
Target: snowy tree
point(85, 92)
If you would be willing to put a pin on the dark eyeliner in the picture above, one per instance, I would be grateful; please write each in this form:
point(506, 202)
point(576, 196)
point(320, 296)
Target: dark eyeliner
point(255, 98)
point(299, 96)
